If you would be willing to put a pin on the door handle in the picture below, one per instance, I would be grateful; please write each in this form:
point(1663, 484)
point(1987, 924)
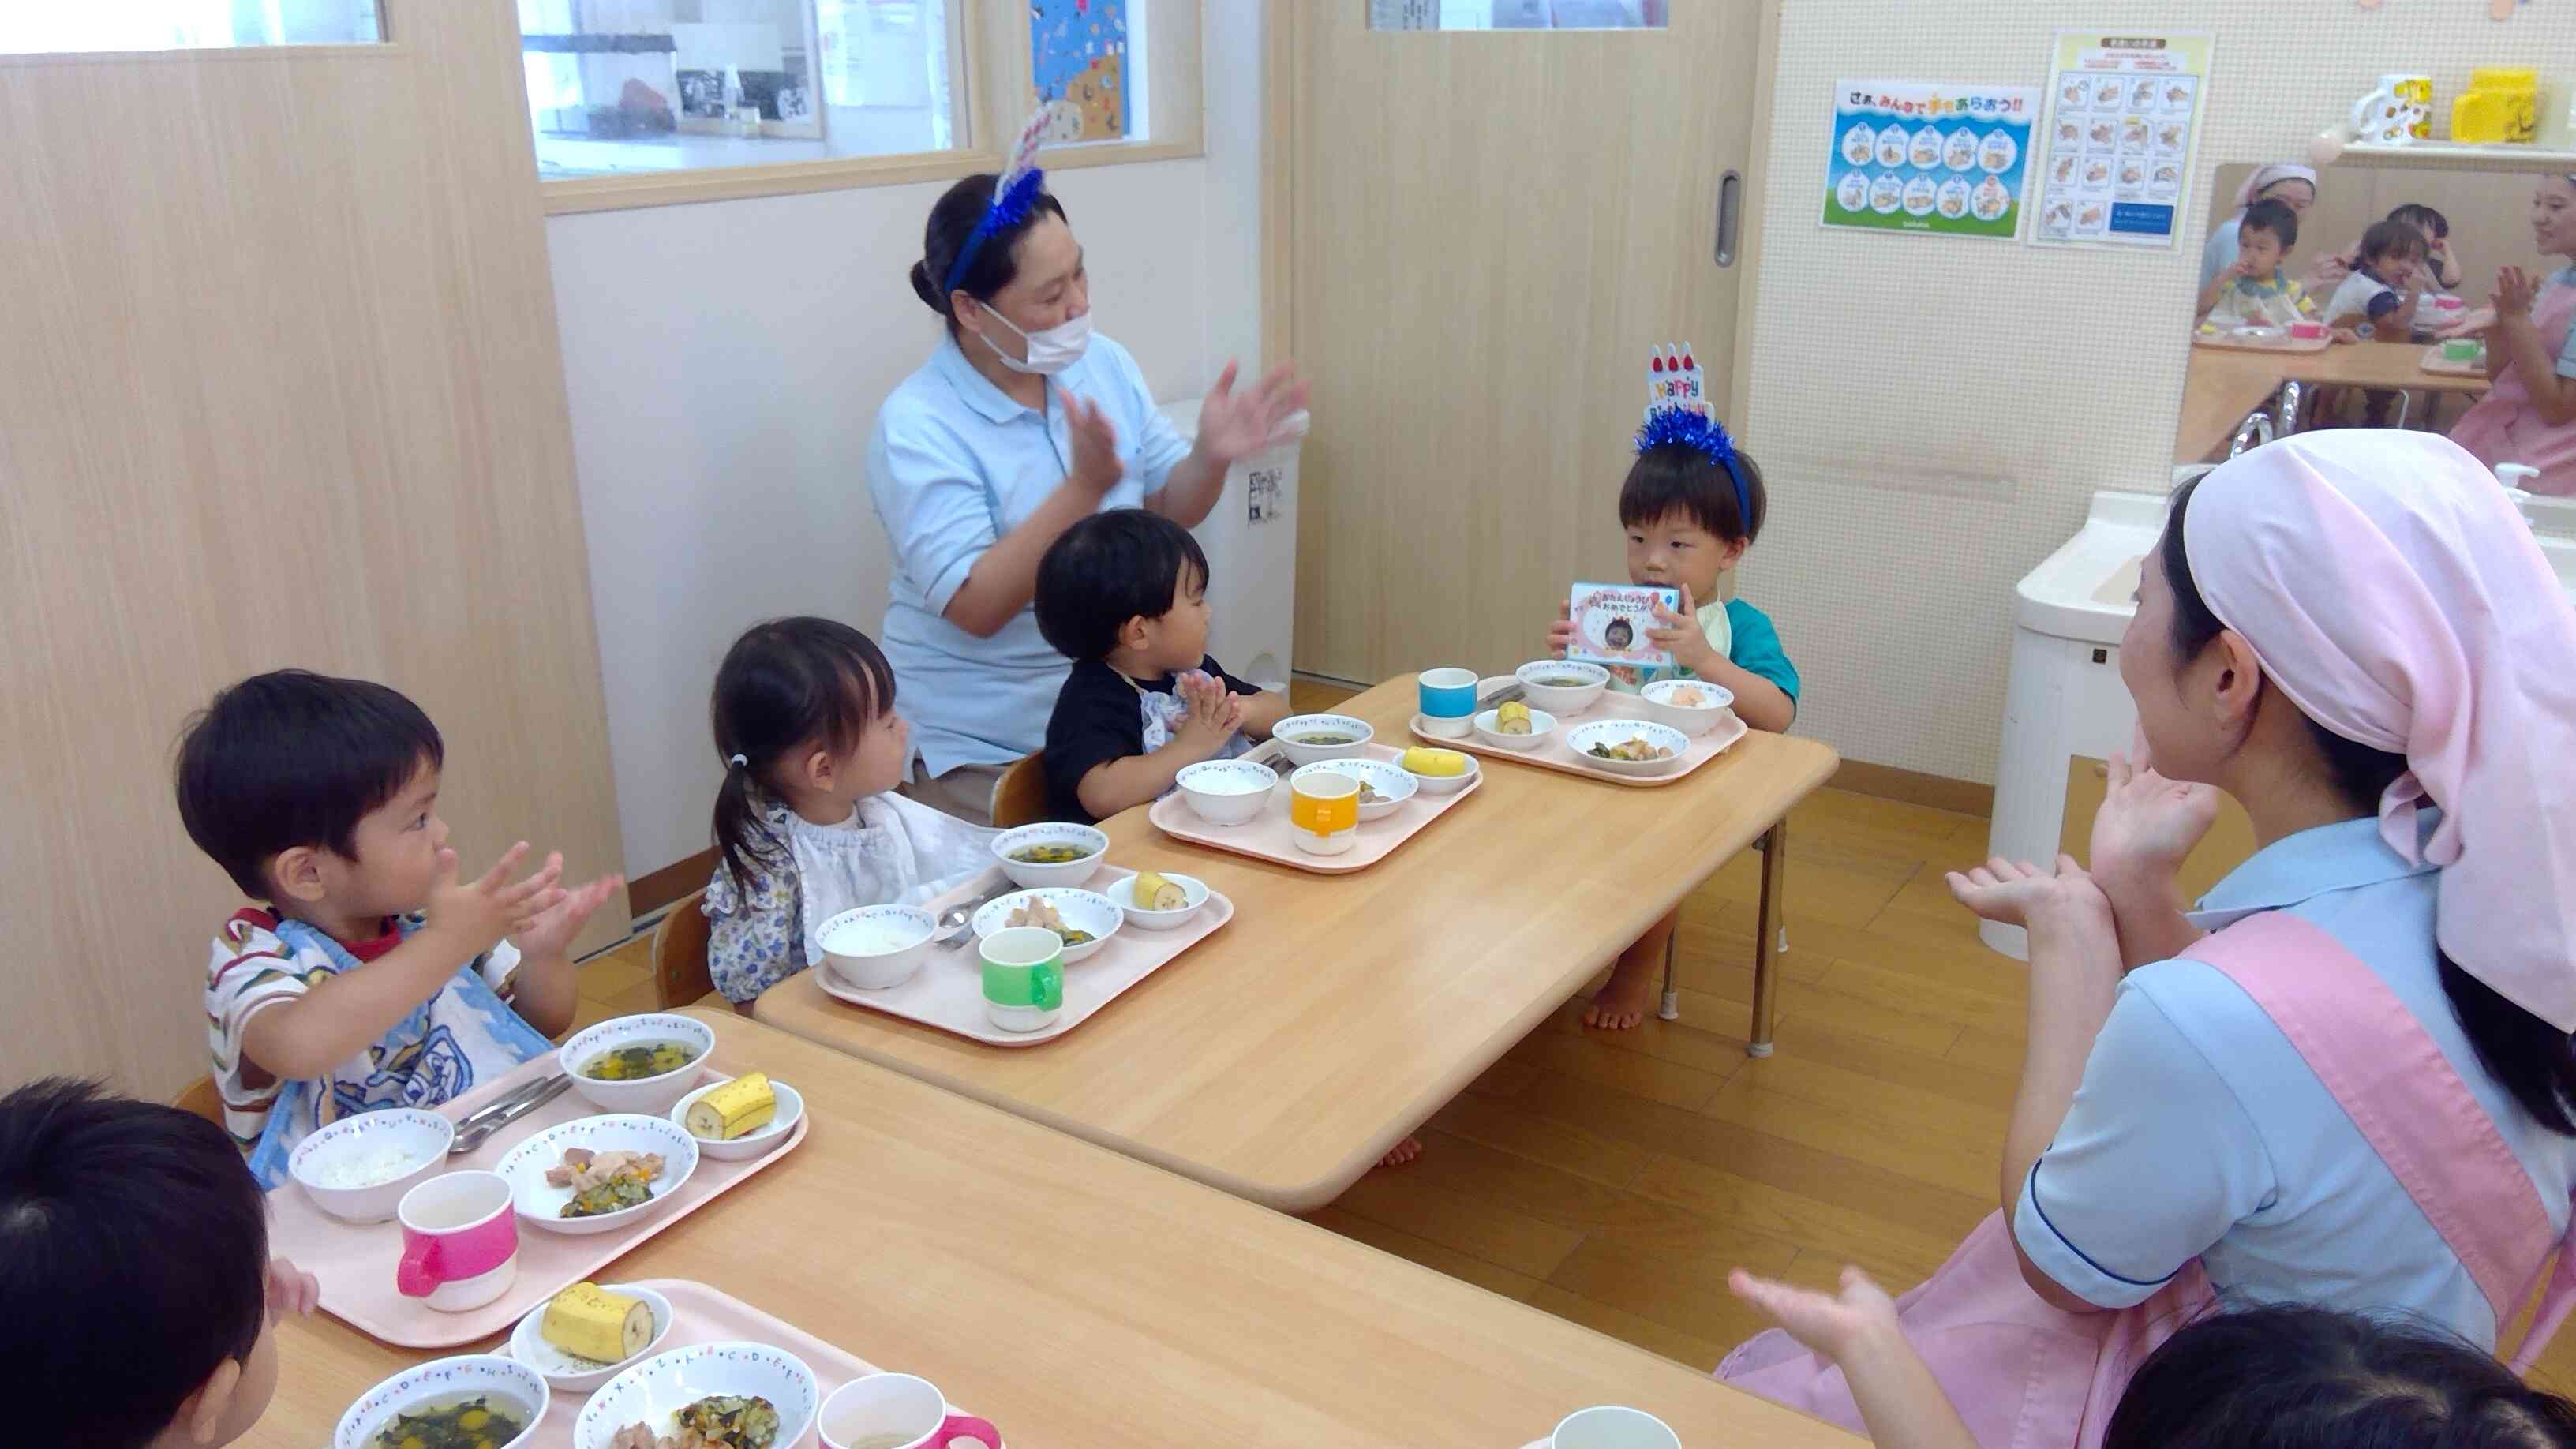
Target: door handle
point(1730, 215)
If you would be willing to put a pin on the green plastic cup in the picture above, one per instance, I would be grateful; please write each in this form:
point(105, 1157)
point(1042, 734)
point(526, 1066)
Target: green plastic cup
point(1023, 978)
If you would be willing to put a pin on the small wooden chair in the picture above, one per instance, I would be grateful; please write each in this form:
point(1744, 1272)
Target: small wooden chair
point(1019, 797)
point(202, 1100)
point(680, 953)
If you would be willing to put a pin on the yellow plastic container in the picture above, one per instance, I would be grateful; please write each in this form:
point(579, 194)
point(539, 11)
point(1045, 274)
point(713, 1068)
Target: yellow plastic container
point(2502, 103)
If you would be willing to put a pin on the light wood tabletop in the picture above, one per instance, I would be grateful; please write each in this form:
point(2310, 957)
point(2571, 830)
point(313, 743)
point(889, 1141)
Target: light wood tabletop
point(2222, 386)
point(1075, 1297)
point(1284, 1055)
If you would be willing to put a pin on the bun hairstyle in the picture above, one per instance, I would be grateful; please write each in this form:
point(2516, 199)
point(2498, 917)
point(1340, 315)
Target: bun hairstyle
point(952, 222)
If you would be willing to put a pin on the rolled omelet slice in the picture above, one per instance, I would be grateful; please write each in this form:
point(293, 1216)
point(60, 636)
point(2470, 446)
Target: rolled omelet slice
point(1153, 893)
point(1512, 719)
point(1424, 761)
point(745, 1104)
point(587, 1321)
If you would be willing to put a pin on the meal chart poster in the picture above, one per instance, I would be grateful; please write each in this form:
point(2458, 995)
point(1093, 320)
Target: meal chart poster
point(2124, 120)
point(1943, 160)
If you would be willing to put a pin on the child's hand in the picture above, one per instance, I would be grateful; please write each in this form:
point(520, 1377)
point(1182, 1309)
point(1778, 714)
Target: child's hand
point(1681, 634)
point(2022, 894)
point(2346, 334)
point(1095, 443)
point(1560, 635)
point(549, 933)
point(292, 1290)
point(1830, 1324)
point(477, 914)
point(1214, 713)
point(2239, 269)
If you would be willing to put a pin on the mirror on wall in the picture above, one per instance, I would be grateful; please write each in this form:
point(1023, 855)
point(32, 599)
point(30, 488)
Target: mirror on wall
point(1518, 14)
point(2261, 364)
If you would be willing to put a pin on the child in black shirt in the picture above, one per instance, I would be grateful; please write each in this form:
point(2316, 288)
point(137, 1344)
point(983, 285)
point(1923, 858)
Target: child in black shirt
point(1124, 595)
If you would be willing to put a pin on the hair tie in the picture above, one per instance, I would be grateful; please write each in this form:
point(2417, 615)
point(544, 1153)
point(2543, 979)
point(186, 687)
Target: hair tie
point(1677, 411)
point(738, 762)
point(1015, 191)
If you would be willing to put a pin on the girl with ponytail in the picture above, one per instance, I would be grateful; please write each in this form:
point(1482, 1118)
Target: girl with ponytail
point(806, 824)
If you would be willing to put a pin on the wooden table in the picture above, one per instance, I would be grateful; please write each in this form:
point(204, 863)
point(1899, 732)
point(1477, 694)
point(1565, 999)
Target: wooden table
point(1283, 1056)
point(2221, 387)
point(1078, 1298)
point(2224, 385)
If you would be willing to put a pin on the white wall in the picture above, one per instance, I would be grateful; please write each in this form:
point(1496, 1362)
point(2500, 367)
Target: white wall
point(1932, 414)
point(725, 362)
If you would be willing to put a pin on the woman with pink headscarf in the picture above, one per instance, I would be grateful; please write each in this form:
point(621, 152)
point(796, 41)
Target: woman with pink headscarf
point(2293, 186)
point(2346, 1077)
point(2529, 414)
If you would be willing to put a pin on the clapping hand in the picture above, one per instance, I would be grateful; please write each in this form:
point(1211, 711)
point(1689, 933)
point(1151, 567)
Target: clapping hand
point(549, 933)
point(2147, 823)
point(2031, 896)
point(1095, 443)
point(1831, 1324)
point(2513, 294)
point(1215, 713)
point(478, 913)
point(1232, 424)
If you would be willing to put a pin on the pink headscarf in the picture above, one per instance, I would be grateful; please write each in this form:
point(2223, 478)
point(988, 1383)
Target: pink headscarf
point(2277, 172)
point(2391, 590)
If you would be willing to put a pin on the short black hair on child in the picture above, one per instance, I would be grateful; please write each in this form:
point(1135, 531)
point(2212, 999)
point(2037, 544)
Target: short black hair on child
point(133, 1259)
point(2275, 217)
point(1677, 476)
point(295, 758)
point(2394, 239)
point(2424, 219)
point(1109, 568)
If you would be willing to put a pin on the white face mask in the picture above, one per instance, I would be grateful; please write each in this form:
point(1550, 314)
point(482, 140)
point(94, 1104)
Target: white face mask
point(1050, 351)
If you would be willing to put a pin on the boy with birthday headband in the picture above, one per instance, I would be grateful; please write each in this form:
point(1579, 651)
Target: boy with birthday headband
point(1692, 505)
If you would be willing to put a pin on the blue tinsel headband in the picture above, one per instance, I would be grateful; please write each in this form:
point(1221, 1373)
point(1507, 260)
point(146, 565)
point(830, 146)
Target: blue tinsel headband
point(1015, 194)
point(1705, 436)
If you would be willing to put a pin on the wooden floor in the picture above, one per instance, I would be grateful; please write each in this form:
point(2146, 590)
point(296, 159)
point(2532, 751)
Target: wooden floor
point(1614, 1178)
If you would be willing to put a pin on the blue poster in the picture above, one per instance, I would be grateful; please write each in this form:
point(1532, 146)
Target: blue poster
point(1078, 59)
point(1943, 160)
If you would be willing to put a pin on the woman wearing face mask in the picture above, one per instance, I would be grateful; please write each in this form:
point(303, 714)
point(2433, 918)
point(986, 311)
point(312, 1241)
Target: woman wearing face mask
point(2347, 1078)
point(1023, 422)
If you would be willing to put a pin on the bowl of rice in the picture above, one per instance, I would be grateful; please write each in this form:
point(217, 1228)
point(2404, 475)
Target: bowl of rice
point(358, 1168)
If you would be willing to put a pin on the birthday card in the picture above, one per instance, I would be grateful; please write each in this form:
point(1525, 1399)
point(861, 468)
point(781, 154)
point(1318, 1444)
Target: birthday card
point(1611, 622)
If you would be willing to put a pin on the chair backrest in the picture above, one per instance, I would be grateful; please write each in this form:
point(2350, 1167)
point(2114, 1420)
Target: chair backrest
point(201, 1099)
point(680, 953)
point(1019, 797)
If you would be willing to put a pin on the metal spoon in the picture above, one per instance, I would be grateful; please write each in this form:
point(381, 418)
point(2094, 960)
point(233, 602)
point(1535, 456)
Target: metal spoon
point(955, 923)
point(483, 1128)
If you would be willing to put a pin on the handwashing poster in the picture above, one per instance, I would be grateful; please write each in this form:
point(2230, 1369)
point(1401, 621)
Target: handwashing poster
point(1945, 160)
point(2123, 122)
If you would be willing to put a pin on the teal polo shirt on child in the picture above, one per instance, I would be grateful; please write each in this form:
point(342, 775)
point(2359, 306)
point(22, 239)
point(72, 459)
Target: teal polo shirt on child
point(953, 466)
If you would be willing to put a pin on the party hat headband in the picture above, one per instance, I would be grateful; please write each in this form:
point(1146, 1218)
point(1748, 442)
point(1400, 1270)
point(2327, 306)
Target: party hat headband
point(1015, 191)
point(1677, 411)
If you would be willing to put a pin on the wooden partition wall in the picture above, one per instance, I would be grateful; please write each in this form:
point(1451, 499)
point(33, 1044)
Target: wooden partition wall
point(282, 387)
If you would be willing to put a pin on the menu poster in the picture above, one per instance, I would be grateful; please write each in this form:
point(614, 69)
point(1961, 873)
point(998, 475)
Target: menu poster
point(1916, 156)
point(1611, 622)
point(2123, 125)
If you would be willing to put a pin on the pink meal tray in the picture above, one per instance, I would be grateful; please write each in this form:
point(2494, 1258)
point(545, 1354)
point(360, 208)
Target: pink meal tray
point(700, 1314)
point(948, 991)
point(1555, 754)
point(356, 1262)
point(2238, 342)
point(1268, 835)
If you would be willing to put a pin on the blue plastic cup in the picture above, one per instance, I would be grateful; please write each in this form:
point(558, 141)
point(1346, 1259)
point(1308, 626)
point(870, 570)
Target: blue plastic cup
point(1448, 702)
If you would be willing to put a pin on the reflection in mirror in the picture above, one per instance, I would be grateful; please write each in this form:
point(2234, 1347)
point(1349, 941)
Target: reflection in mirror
point(1518, 14)
point(2362, 298)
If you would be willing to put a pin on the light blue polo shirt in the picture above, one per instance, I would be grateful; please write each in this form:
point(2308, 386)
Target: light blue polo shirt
point(953, 466)
point(2200, 1131)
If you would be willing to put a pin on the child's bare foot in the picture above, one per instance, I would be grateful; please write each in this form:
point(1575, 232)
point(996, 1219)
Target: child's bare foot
point(1402, 1153)
point(1621, 1002)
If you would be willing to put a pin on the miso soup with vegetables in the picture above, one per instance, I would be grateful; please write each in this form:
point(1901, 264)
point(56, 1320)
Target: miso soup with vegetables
point(1049, 854)
point(472, 1421)
point(635, 1061)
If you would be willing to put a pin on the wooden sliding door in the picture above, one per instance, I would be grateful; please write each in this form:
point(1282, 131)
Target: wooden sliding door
point(282, 387)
